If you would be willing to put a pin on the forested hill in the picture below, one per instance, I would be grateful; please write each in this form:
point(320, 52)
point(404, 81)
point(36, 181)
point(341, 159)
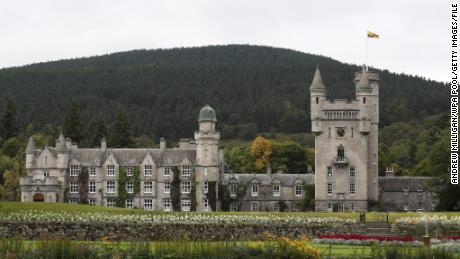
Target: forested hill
point(252, 88)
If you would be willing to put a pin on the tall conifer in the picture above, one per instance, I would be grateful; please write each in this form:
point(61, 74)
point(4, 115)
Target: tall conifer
point(72, 123)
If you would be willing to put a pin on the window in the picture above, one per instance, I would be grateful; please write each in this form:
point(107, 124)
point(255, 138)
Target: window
point(185, 187)
point(276, 190)
point(340, 153)
point(206, 186)
point(167, 171)
point(110, 170)
point(185, 205)
point(233, 190)
point(110, 187)
point(148, 204)
point(276, 206)
point(352, 206)
point(352, 171)
point(255, 190)
point(406, 191)
point(206, 205)
point(92, 186)
point(329, 171)
point(167, 187)
point(92, 171)
point(110, 202)
point(185, 170)
point(46, 174)
point(129, 171)
point(129, 187)
point(148, 187)
point(352, 188)
point(129, 203)
point(329, 206)
point(233, 206)
point(147, 170)
point(364, 99)
point(74, 187)
point(254, 206)
point(329, 188)
point(419, 206)
point(73, 201)
point(92, 202)
point(351, 131)
point(167, 205)
point(317, 100)
point(73, 170)
point(298, 190)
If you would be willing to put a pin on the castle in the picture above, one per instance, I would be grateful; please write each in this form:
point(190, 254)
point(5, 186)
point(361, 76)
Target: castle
point(346, 165)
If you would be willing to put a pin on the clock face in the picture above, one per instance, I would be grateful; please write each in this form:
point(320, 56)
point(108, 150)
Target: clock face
point(340, 132)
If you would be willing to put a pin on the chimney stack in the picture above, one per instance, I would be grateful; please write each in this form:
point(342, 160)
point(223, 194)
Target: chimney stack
point(162, 144)
point(389, 171)
point(269, 169)
point(103, 144)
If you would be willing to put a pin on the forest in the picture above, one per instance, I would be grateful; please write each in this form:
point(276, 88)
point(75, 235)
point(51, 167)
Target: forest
point(133, 98)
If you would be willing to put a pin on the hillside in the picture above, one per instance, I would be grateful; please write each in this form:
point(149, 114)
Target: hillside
point(252, 88)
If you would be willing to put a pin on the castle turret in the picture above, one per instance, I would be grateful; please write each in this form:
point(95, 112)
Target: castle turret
point(207, 157)
point(30, 152)
point(317, 97)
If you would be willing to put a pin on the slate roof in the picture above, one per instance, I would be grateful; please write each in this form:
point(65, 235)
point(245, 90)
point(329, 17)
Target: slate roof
point(265, 179)
point(134, 156)
point(401, 183)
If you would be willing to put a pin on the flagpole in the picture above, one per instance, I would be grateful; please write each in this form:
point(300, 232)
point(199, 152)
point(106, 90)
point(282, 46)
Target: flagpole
point(367, 51)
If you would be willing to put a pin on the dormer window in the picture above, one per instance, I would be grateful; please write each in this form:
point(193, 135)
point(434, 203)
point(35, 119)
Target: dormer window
point(233, 189)
point(185, 170)
point(276, 190)
point(147, 170)
point(406, 191)
point(73, 170)
point(110, 170)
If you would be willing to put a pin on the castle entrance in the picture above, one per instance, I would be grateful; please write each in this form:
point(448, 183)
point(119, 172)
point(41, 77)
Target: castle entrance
point(39, 197)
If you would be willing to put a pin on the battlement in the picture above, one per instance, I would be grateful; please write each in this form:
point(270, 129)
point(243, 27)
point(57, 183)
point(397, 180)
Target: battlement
point(340, 114)
point(373, 76)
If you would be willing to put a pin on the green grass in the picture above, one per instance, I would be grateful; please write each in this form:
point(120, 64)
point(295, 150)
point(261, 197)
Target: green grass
point(370, 216)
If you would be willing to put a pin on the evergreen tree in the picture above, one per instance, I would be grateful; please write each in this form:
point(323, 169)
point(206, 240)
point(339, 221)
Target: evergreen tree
point(96, 131)
point(121, 135)
point(72, 123)
point(8, 120)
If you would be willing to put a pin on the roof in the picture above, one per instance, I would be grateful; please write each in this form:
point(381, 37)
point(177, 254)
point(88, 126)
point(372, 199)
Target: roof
point(266, 179)
point(132, 156)
point(317, 82)
point(31, 145)
point(207, 113)
point(402, 183)
point(363, 82)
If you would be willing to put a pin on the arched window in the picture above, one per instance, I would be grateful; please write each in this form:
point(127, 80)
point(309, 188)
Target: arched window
point(341, 153)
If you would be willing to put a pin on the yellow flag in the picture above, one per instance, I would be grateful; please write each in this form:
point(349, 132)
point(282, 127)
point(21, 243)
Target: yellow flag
point(372, 35)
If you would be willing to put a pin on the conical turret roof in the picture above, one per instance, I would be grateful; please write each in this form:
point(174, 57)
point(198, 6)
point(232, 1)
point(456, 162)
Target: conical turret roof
point(363, 82)
point(317, 82)
point(31, 145)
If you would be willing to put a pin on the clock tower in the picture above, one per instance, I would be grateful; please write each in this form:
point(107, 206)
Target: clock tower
point(346, 145)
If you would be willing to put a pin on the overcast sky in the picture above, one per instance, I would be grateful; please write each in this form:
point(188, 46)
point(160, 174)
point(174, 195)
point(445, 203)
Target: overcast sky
point(414, 34)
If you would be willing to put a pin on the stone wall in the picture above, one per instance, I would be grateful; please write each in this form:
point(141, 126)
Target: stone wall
point(146, 232)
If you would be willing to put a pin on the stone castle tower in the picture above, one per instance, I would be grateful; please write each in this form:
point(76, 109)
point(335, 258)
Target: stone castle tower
point(346, 144)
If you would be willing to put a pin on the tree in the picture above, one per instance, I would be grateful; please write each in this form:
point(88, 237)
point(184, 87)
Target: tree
point(72, 123)
point(261, 149)
point(289, 157)
point(8, 120)
point(121, 135)
point(10, 190)
point(96, 131)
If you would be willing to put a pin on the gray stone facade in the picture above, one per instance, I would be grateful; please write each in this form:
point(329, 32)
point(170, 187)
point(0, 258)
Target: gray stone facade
point(346, 164)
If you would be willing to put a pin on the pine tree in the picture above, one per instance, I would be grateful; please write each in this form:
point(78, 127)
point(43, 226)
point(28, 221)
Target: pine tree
point(72, 123)
point(96, 131)
point(8, 120)
point(121, 135)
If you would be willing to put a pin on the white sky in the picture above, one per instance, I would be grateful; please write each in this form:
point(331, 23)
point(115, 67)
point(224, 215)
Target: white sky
point(415, 34)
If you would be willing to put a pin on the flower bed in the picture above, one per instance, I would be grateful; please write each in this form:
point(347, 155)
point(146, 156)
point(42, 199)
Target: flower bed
point(433, 224)
point(364, 237)
point(172, 218)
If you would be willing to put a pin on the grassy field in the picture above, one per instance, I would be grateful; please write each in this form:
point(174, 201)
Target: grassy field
point(371, 216)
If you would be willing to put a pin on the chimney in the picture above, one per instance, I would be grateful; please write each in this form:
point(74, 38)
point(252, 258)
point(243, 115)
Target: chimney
point(389, 171)
point(162, 144)
point(269, 169)
point(68, 143)
point(103, 144)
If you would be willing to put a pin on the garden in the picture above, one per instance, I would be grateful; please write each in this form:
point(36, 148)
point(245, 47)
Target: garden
point(58, 231)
